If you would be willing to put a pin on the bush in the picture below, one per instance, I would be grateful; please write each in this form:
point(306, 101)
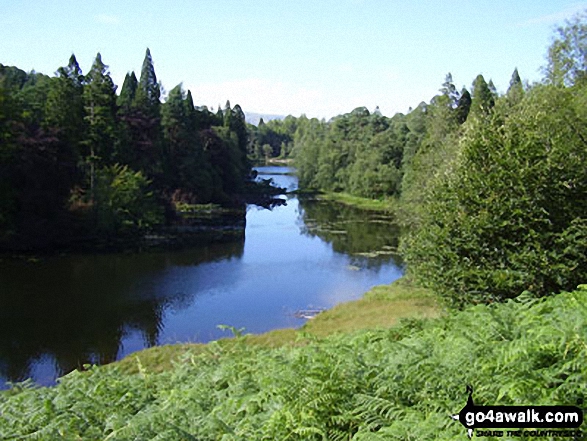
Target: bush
point(123, 202)
point(512, 215)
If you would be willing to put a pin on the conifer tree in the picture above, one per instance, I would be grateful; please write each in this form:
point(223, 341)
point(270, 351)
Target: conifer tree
point(64, 108)
point(463, 106)
point(100, 108)
point(219, 115)
point(482, 98)
point(228, 115)
point(145, 124)
point(190, 109)
point(493, 89)
point(515, 91)
point(128, 92)
point(148, 92)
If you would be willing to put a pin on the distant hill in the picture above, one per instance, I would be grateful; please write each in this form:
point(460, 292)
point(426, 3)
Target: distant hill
point(254, 118)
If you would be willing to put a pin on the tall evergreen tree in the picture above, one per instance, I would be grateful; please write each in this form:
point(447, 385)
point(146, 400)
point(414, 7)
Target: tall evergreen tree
point(128, 92)
point(228, 115)
point(493, 89)
point(100, 107)
point(515, 91)
point(149, 92)
point(146, 123)
point(190, 109)
point(482, 98)
point(463, 106)
point(64, 109)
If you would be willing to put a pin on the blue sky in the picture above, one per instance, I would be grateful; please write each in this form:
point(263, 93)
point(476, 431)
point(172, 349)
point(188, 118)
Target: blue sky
point(318, 57)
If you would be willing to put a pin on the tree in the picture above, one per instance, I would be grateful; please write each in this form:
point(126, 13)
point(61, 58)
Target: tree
point(100, 107)
point(124, 204)
point(515, 91)
point(148, 92)
point(511, 216)
point(449, 90)
point(128, 93)
point(176, 136)
point(143, 125)
point(482, 98)
point(463, 106)
point(64, 109)
point(567, 55)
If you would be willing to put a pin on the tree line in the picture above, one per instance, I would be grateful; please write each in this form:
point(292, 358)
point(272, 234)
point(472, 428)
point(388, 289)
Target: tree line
point(491, 188)
point(79, 161)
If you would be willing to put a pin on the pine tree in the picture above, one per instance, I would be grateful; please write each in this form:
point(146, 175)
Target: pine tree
point(483, 100)
point(190, 109)
point(219, 116)
point(128, 92)
point(149, 92)
point(228, 115)
point(100, 108)
point(493, 89)
point(64, 108)
point(463, 106)
point(144, 124)
point(515, 92)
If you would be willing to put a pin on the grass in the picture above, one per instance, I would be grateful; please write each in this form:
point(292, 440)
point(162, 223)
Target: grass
point(381, 307)
point(387, 205)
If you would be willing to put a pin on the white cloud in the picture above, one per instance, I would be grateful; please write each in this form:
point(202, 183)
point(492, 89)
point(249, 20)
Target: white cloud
point(107, 19)
point(557, 17)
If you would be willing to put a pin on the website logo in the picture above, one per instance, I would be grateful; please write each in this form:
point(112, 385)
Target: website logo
point(536, 418)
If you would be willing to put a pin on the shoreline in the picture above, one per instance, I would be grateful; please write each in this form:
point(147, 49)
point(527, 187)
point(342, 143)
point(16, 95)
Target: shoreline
point(382, 307)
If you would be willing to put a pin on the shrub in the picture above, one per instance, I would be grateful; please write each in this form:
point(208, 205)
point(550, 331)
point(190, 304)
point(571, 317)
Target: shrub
point(512, 215)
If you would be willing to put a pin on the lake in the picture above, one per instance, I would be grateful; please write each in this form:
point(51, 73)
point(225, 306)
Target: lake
point(59, 313)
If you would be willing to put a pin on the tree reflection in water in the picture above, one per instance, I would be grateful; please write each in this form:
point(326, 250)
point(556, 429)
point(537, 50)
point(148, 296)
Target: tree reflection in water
point(78, 309)
point(369, 238)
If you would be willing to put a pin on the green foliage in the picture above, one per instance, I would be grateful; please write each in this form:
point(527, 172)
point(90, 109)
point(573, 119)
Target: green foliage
point(148, 91)
point(432, 149)
point(128, 92)
point(274, 138)
point(511, 214)
point(515, 91)
point(123, 202)
point(567, 55)
point(483, 98)
point(398, 383)
point(100, 106)
point(77, 127)
point(359, 153)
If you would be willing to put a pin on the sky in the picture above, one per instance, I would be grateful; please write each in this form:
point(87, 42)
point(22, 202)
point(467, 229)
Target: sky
point(320, 58)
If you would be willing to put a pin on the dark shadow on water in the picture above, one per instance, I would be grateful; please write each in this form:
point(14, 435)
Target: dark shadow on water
point(78, 309)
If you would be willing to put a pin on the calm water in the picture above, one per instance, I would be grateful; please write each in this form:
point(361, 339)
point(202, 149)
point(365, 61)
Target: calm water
point(62, 312)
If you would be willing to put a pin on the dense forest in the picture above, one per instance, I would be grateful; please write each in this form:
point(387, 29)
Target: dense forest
point(79, 161)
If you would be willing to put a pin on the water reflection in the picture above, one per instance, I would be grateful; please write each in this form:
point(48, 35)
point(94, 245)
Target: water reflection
point(63, 312)
point(371, 239)
point(78, 309)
